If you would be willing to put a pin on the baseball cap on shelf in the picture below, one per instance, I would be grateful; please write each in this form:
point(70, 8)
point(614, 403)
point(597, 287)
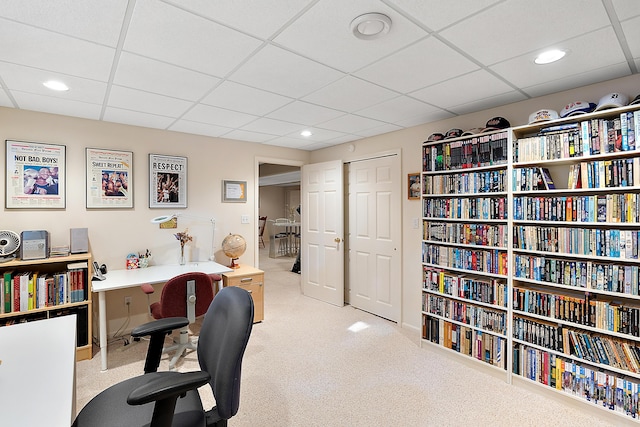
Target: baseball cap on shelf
point(453, 133)
point(437, 136)
point(577, 107)
point(472, 131)
point(612, 100)
point(635, 101)
point(543, 116)
point(496, 123)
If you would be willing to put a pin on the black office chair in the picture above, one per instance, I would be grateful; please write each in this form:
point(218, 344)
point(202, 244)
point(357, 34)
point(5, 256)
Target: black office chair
point(223, 339)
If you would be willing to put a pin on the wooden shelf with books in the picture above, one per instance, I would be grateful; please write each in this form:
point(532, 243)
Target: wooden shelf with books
point(46, 288)
point(465, 247)
point(575, 304)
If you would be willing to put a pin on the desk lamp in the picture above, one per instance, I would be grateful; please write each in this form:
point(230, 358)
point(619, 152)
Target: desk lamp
point(167, 218)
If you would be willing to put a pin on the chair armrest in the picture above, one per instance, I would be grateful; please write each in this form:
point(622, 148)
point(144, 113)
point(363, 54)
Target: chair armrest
point(160, 326)
point(162, 387)
point(158, 330)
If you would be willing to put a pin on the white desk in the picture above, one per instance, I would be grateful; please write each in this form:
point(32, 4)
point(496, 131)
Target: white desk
point(120, 279)
point(37, 372)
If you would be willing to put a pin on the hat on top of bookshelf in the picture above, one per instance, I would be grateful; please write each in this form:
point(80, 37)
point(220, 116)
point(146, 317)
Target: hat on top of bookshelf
point(543, 115)
point(635, 101)
point(453, 133)
point(577, 107)
point(496, 123)
point(474, 131)
point(437, 136)
point(612, 100)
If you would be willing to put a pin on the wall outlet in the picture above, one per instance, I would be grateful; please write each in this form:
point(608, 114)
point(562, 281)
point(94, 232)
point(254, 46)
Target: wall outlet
point(244, 219)
point(127, 301)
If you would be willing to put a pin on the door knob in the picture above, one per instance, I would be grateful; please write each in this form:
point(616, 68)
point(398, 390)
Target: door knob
point(337, 240)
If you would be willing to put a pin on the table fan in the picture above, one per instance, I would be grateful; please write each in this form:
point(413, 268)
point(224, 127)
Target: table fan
point(9, 244)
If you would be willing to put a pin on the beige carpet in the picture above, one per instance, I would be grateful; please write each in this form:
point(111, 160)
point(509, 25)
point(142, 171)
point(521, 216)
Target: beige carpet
point(307, 365)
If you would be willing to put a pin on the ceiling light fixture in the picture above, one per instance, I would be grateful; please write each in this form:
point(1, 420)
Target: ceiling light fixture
point(56, 85)
point(306, 133)
point(371, 26)
point(550, 56)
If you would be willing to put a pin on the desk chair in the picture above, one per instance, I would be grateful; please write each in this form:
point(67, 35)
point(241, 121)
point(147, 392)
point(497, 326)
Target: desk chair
point(152, 399)
point(186, 295)
point(262, 223)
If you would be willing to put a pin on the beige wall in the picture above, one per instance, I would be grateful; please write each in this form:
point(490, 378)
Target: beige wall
point(409, 141)
point(115, 233)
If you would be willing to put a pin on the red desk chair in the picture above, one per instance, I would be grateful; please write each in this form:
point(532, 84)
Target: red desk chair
point(186, 295)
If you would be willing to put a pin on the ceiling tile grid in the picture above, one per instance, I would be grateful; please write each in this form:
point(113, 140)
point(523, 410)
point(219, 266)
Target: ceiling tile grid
point(264, 71)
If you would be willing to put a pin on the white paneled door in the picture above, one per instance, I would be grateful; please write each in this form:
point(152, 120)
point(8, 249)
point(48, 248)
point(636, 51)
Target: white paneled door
point(375, 192)
point(322, 232)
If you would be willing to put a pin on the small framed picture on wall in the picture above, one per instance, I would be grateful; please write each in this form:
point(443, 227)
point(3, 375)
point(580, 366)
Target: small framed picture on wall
point(167, 181)
point(234, 191)
point(35, 175)
point(413, 186)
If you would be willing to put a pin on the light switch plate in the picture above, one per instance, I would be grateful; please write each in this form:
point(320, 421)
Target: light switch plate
point(244, 219)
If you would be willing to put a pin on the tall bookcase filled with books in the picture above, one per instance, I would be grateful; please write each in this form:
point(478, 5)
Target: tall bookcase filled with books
point(531, 254)
point(576, 303)
point(465, 246)
point(45, 288)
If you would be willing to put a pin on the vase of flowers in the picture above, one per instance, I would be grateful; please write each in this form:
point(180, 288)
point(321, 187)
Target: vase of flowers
point(183, 238)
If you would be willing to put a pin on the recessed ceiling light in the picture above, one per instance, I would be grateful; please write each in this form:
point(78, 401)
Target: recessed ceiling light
point(550, 56)
point(56, 85)
point(371, 26)
point(306, 133)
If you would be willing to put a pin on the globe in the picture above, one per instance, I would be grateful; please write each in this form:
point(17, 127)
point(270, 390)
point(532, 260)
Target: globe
point(234, 246)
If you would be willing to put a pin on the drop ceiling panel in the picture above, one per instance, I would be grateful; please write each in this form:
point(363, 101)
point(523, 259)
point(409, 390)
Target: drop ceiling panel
point(515, 27)
point(259, 18)
point(626, 9)
point(397, 109)
point(273, 127)
point(244, 135)
point(98, 21)
point(160, 31)
point(477, 85)
point(237, 97)
point(438, 14)
point(136, 118)
point(27, 79)
point(350, 94)
point(423, 64)
point(135, 71)
point(522, 71)
point(218, 116)
point(631, 30)
point(351, 123)
point(146, 102)
point(48, 104)
point(47, 50)
point(197, 128)
point(304, 113)
point(277, 70)
point(323, 33)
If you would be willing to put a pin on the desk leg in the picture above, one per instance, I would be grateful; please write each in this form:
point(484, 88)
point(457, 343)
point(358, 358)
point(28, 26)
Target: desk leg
point(102, 306)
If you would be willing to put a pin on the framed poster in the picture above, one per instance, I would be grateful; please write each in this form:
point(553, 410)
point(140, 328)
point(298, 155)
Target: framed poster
point(234, 191)
point(413, 186)
point(35, 175)
point(109, 178)
point(167, 181)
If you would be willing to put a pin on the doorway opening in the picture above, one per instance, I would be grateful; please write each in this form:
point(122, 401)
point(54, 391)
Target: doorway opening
point(278, 199)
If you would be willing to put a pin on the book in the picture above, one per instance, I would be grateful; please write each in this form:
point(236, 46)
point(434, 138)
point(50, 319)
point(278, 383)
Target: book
point(546, 179)
point(7, 287)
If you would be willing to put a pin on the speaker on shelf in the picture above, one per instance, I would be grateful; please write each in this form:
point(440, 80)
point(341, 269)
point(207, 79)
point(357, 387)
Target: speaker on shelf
point(79, 241)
